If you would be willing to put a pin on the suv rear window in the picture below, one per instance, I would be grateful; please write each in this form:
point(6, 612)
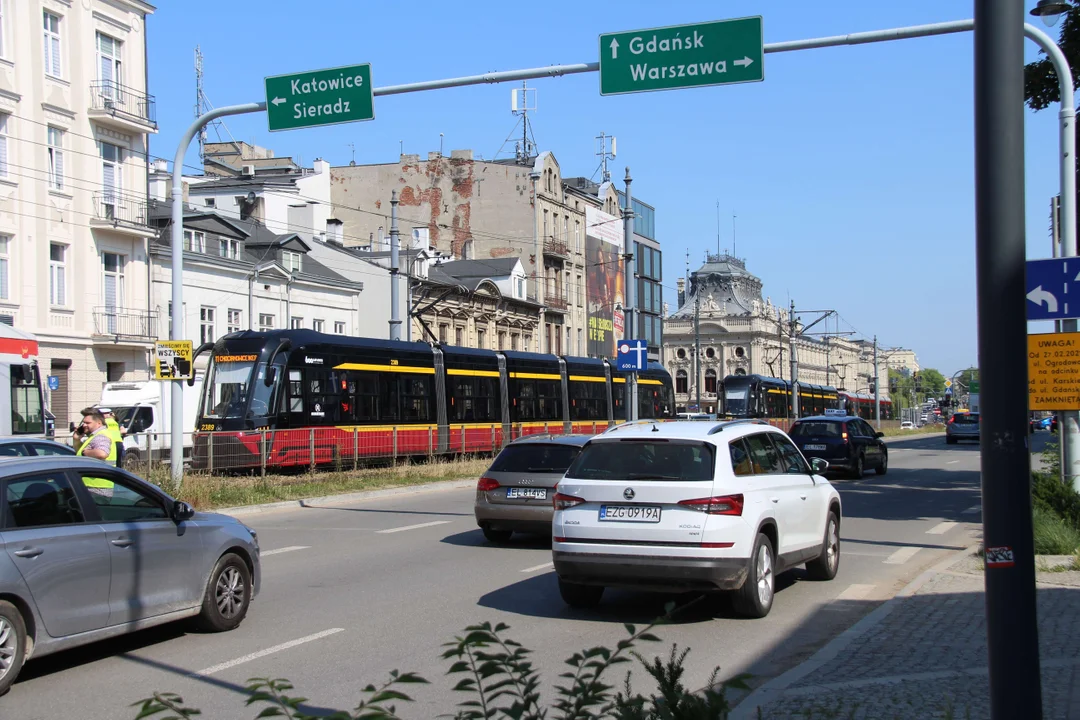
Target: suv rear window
point(966, 418)
point(535, 457)
point(644, 460)
point(818, 428)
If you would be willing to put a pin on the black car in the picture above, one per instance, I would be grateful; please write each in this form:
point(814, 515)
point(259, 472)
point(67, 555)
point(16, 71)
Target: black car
point(847, 442)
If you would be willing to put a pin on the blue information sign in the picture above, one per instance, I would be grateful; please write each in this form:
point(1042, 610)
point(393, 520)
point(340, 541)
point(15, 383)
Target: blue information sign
point(54, 382)
point(1053, 289)
point(633, 355)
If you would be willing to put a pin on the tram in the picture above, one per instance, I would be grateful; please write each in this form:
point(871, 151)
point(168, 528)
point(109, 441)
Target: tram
point(757, 396)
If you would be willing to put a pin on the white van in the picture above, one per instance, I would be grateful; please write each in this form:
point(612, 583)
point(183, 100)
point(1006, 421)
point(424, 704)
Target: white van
point(143, 410)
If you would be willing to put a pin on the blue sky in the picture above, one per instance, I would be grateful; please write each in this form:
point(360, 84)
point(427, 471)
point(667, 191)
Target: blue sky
point(850, 170)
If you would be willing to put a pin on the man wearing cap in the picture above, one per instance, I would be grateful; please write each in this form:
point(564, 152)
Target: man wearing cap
point(93, 441)
point(112, 429)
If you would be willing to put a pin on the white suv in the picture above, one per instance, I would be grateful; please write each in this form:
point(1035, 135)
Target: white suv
point(689, 506)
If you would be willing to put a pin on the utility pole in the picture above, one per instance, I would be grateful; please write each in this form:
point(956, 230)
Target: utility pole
point(395, 314)
point(794, 364)
point(630, 326)
point(877, 389)
point(1012, 631)
point(697, 346)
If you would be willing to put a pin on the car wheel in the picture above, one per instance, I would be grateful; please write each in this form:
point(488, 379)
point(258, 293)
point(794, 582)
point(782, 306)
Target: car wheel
point(496, 536)
point(228, 595)
point(755, 598)
point(132, 461)
point(884, 466)
point(12, 644)
point(859, 468)
point(825, 565)
point(580, 596)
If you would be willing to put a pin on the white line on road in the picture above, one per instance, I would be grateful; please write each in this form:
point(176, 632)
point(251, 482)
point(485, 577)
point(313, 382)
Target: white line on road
point(952, 462)
point(941, 528)
point(972, 510)
point(855, 592)
point(539, 567)
point(278, 551)
point(412, 527)
point(901, 556)
point(268, 651)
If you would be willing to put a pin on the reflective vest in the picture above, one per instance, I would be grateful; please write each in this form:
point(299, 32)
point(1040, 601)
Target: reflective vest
point(112, 428)
point(111, 459)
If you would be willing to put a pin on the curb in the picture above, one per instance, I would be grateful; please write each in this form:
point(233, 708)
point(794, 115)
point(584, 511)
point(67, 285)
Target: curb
point(773, 689)
point(344, 497)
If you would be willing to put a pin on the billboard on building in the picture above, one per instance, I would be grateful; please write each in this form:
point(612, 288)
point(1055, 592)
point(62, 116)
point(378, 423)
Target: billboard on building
point(604, 288)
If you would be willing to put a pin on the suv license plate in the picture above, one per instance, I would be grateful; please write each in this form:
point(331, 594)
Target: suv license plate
point(813, 447)
point(631, 513)
point(531, 493)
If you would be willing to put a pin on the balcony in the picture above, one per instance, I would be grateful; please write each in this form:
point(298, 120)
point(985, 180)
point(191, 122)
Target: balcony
point(555, 300)
point(123, 213)
point(554, 248)
point(122, 108)
point(119, 325)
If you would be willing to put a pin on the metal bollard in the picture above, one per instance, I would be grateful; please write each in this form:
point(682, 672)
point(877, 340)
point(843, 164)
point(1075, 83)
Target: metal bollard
point(262, 453)
point(355, 448)
point(393, 446)
point(209, 453)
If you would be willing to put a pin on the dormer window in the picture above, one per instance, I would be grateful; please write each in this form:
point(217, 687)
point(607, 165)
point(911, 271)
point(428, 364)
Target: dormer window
point(195, 241)
point(229, 248)
point(291, 260)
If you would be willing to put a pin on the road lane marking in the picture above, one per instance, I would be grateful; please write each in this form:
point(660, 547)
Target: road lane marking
point(268, 651)
point(412, 527)
point(901, 556)
point(278, 551)
point(972, 510)
point(539, 567)
point(856, 592)
point(952, 462)
point(941, 528)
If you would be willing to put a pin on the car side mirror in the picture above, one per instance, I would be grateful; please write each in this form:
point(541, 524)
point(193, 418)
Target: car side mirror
point(271, 375)
point(819, 465)
point(182, 511)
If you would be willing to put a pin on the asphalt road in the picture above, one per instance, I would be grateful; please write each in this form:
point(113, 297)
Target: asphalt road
point(353, 591)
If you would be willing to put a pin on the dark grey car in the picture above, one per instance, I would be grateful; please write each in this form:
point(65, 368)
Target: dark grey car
point(515, 494)
point(21, 446)
point(89, 551)
point(962, 426)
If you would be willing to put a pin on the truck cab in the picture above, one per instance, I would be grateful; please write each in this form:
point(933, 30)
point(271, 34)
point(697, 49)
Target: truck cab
point(143, 411)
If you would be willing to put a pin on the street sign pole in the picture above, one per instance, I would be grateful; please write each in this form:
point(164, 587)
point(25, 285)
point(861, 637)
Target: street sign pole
point(1012, 630)
point(630, 321)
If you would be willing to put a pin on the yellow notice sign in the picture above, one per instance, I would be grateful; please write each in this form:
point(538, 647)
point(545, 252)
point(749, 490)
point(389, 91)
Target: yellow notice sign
point(1054, 371)
point(173, 359)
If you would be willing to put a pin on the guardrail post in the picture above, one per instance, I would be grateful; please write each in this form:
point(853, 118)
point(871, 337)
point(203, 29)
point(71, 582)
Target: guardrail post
point(209, 453)
point(262, 453)
point(393, 447)
point(430, 441)
point(355, 447)
point(311, 447)
point(492, 438)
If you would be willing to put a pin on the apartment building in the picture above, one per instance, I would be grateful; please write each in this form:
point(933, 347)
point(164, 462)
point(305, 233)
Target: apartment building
point(75, 118)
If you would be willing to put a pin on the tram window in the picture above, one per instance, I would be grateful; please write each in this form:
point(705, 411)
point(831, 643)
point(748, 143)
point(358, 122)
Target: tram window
point(415, 394)
point(364, 389)
point(322, 396)
point(588, 401)
point(549, 399)
point(296, 391)
point(474, 399)
point(525, 401)
point(618, 396)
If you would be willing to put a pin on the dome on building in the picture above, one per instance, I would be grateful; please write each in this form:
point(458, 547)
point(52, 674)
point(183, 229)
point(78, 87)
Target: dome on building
point(722, 284)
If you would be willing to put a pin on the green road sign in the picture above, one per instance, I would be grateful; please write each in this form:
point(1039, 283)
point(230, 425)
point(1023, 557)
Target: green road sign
point(682, 56)
point(973, 387)
point(320, 97)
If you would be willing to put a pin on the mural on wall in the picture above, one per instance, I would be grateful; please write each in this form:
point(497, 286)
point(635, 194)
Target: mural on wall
point(603, 281)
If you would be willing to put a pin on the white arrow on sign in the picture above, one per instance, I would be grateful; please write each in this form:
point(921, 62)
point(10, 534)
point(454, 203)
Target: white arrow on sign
point(614, 48)
point(1040, 296)
point(745, 62)
point(278, 101)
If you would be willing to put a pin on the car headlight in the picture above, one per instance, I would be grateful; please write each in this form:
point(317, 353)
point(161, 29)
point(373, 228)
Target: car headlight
point(254, 535)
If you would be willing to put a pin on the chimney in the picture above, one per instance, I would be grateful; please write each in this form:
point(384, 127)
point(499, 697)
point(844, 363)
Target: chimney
point(321, 167)
point(680, 285)
point(159, 180)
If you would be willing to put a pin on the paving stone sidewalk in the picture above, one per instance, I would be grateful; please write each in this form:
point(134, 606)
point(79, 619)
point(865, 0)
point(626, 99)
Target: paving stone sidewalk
point(926, 658)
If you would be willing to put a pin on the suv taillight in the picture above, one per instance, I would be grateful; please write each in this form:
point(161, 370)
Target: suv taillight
point(487, 484)
point(565, 502)
point(719, 505)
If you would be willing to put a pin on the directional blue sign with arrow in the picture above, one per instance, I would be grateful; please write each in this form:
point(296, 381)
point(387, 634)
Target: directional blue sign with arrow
point(1053, 289)
point(633, 355)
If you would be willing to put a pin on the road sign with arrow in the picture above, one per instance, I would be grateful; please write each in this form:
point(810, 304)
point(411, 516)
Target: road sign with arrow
point(724, 52)
point(1050, 283)
point(320, 97)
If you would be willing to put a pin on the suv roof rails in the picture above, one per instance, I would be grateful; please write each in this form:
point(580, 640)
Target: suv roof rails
point(629, 423)
point(743, 421)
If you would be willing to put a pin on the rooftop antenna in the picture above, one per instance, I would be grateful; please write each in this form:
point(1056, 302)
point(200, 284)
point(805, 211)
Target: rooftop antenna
point(203, 105)
point(352, 147)
point(718, 227)
point(606, 151)
point(522, 102)
point(733, 234)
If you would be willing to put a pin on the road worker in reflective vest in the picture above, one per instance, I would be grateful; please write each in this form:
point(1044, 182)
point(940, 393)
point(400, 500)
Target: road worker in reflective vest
point(92, 439)
point(113, 429)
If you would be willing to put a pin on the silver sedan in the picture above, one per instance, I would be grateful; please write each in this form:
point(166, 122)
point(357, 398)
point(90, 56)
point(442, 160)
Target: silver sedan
point(89, 551)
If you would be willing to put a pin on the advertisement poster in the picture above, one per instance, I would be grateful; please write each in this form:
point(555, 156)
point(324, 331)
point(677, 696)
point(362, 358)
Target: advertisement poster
point(603, 281)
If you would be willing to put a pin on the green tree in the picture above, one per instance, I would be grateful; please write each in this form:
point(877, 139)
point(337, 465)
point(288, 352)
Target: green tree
point(1040, 80)
point(931, 383)
point(964, 377)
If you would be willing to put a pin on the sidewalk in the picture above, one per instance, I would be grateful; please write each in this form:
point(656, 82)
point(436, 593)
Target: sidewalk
point(923, 655)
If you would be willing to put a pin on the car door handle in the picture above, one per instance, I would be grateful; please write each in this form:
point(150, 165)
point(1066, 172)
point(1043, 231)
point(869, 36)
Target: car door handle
point(775, 499)
point(29, 552)
point(803, 496)
point(122, 542)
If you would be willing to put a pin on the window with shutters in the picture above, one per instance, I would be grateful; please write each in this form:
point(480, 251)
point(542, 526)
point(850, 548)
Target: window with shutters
point(109, 67)
point(111, 174)
point(57, 274)
point(56, 158)
point(5, 267)
point(113, 289)
point(52, 44)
